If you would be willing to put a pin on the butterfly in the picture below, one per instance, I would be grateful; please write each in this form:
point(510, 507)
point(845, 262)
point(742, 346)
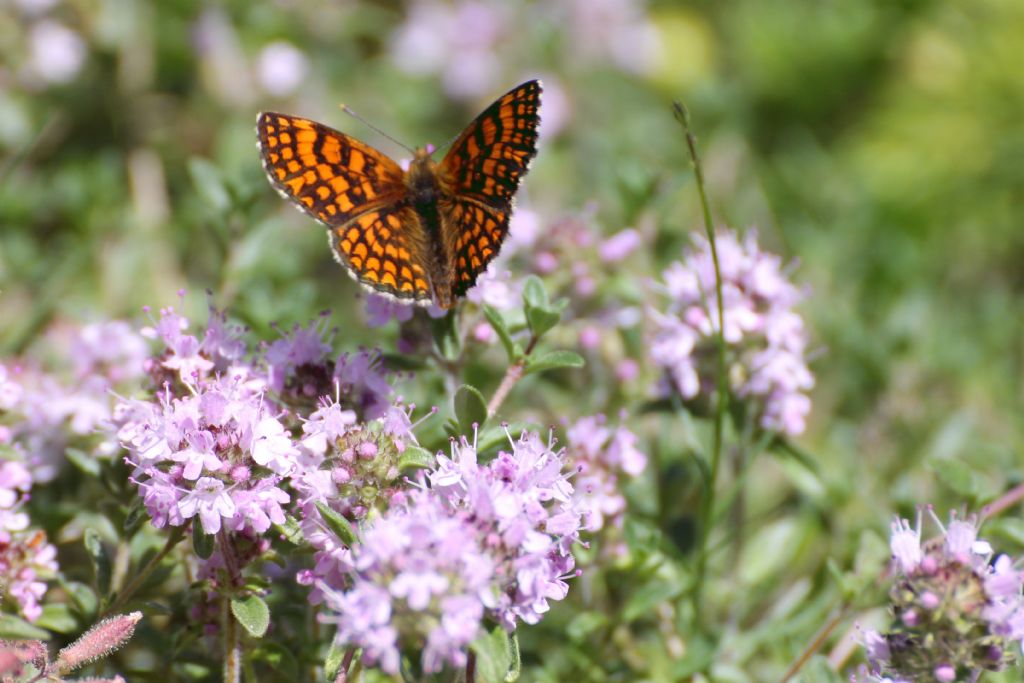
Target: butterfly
point(424, 234)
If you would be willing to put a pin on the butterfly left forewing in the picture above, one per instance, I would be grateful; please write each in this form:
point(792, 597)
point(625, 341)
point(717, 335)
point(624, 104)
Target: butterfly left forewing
point(331, 176)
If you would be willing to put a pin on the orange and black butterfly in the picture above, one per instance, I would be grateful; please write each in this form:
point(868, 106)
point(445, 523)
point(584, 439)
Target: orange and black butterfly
point(422, 235)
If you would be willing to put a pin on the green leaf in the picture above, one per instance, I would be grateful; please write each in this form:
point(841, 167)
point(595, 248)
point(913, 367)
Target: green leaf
point(57, 617)
point(252, 613)
point(516, 666)
point(209, 183)
point(643, 602)
point(99, 559)
point(584, 624)
point(415, 457)
point(541, 319)
point(13, 628)
point(493, 656)
point(534, 293)
point(83, 597)
point(552, 360)
point(83, 462)
point(136, 515)
point(501, 329)
point(202, 542)
point(470, 408)
point(957, 475)
point(338, 524)
point(291, 531)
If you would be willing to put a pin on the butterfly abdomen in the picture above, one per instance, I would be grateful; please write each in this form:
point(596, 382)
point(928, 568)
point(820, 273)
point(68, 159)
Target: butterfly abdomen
point(424, 193)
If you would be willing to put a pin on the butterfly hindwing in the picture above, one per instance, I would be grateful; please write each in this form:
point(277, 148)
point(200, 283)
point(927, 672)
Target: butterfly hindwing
point(328, 174)
point(473, 234)
point(491, 156)
point(383, 249)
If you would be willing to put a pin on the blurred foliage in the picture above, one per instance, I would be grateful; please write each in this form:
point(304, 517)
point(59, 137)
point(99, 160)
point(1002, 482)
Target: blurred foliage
point(878, 143)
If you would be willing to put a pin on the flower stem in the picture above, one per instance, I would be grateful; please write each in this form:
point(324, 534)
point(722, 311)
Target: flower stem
point(722, 395)
point(511, 378)
point(471, 667)
point(126, 593)
point(342, 676)
point(816, 642)
point(232, 642)
point(232, 647)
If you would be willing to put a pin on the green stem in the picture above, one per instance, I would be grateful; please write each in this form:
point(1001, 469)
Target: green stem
point(125, 594)
point(722, 403)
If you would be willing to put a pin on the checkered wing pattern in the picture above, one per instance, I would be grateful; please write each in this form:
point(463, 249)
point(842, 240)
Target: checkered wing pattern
point(484, 168)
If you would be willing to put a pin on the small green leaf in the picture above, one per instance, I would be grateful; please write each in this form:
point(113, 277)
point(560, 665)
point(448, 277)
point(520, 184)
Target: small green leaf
point(534, 293)
point(493, 656)
point(415, 457)
point(83, 462)
point(338, 524)
point(552, 360)
point(83, 597)
point(658, 592)
point(291, 531)
point(516, 666)
point(57, 617)
point(501, 329)
point(99, 558)
point(252, 613)
point(209, 183)
point(202, 542)
point(470, 408)
point(136, 515)
point(13, 628)
point(542, 319)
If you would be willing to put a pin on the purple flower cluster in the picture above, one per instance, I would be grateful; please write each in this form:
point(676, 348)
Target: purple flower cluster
point(216, 444)
point(488, 539)
point(764, 336)
point(956, 612)
point(26, 558)
point(602, 454)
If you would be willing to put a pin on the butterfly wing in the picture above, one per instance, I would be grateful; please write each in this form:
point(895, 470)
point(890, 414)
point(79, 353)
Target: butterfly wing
point(357, 192)
point(474, 233)
point(484, 167)
point(491, 156)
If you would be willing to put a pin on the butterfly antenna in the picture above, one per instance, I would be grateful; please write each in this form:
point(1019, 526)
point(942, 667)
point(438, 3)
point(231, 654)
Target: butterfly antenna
point(345, 108)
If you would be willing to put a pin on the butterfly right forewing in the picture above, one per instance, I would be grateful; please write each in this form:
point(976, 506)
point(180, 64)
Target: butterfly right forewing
point(484, 167)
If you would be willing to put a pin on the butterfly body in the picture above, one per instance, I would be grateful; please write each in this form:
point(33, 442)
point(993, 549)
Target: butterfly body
point(424, 234)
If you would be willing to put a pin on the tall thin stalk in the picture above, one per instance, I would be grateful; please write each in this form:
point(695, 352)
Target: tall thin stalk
point(722, 396)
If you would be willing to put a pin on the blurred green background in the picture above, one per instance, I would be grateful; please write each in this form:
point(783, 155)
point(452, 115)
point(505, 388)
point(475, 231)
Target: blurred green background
point(878, 143)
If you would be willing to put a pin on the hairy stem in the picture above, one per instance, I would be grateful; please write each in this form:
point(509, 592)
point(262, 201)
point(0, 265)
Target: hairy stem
point(511, 378)
point(232, 637)
point(342, 676)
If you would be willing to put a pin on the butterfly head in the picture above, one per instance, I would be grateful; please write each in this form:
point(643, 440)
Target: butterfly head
point(421, 178)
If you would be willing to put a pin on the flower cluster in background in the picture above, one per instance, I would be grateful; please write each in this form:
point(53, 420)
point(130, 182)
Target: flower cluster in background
point(957, 606)
point(764, 336)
